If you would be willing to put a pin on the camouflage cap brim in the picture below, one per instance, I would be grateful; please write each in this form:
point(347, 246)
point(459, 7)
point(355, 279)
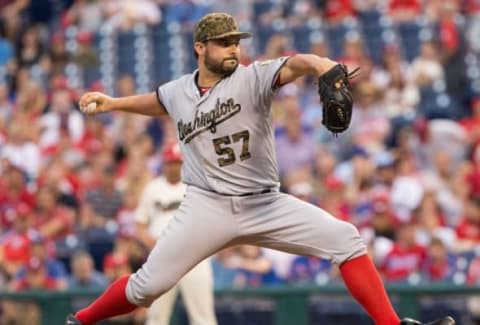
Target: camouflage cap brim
point(241, 35)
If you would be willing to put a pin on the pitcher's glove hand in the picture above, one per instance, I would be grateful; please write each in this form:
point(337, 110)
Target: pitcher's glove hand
point(336, 98)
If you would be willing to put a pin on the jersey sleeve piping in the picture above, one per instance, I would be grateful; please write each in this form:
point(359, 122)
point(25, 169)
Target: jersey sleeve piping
point(160, 101)
point(275, 86)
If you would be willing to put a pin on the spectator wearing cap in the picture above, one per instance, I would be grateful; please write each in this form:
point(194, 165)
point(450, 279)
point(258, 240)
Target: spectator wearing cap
point(37, 278)
point(116, 265)
point(86, 55)
point(44, 251)
point(161, 197)
point(385, 170)
point(91, 142)
point(382, 219)
point(333, 199)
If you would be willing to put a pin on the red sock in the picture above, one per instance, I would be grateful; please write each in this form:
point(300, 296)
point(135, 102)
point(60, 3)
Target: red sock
point(111, 303)
point(365, 285)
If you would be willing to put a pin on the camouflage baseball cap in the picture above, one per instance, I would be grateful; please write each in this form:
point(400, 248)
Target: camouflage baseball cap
point(217, 25)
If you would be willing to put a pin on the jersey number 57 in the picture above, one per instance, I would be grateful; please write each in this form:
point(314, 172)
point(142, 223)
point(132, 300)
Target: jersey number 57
point(227, 153)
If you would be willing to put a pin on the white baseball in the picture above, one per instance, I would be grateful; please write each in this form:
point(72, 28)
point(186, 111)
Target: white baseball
point(91, 107)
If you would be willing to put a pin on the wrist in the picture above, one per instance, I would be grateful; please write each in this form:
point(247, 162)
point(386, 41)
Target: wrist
point(113, 104)
point(325, 65)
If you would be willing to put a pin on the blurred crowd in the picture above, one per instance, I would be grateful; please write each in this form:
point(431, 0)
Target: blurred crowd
point(407, 172)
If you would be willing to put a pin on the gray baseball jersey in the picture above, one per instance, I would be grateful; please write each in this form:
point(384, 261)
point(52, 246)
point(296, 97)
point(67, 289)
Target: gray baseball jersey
point(217, 130)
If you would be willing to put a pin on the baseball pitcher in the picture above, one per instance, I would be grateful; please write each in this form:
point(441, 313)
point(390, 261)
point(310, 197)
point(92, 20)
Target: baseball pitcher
point(224, 126)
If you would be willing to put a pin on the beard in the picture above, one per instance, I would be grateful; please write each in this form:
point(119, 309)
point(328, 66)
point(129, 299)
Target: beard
point(221, 68)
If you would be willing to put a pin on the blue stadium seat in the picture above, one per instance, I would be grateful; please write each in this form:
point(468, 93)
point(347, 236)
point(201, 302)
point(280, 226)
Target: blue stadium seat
point(301, 38)
point(409, 36)
point(126, 53)
point(336, 39)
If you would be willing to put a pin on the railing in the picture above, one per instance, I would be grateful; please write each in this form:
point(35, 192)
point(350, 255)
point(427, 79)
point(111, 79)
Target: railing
point(291, 303)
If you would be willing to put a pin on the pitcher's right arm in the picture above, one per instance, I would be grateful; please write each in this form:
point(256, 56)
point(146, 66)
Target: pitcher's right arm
point(97, 102)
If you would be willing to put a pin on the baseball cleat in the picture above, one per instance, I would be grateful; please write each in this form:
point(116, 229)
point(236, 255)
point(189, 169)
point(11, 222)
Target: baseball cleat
point(72, 320)
point(444, 321)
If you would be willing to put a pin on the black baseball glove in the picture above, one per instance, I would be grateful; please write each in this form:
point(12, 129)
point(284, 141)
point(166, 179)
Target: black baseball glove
point(336, 98)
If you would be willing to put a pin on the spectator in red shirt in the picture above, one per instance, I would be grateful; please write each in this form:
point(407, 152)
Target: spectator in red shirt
point(468, 229)
point(333, 199)
point(405, 258)
point(15, 244)
point(36, 278)
point(13, 190)
point(471, 124)
point(439, 264)
point(53, 221)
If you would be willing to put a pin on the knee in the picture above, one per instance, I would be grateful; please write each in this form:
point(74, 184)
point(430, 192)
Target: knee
point(143, 290)
point(351, 243)
point(351, 233)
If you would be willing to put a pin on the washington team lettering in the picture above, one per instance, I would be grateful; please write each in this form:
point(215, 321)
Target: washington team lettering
point(207, 121)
